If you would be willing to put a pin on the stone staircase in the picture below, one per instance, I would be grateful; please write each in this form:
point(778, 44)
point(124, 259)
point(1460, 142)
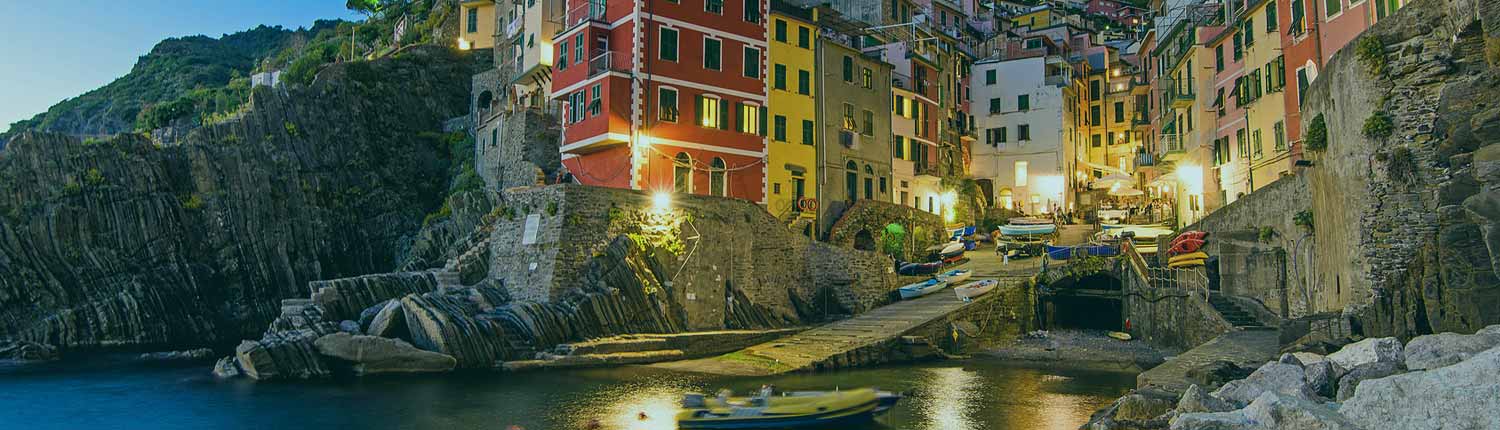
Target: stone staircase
point(1232, 312)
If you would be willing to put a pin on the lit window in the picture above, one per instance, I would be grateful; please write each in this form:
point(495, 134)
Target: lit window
point(1021, 173)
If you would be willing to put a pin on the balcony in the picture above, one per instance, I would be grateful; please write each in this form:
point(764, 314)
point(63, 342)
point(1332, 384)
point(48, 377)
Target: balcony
point(513, 28)
point(908, 83)
point(1145, 159)
point(609, 61)
point(1170, 145)
point(927, 169)
point(1057, 81)
point(1180, 96)
point(1140, 119)
point(593, 10)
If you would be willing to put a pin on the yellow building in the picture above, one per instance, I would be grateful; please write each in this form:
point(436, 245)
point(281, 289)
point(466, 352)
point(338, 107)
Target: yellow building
point(1260, 92)
point(791, 158)
point(476, 26)
point(1039, 17)
point(1187, 127)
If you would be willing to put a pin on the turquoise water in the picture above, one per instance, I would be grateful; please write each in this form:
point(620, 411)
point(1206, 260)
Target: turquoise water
point(109, 394)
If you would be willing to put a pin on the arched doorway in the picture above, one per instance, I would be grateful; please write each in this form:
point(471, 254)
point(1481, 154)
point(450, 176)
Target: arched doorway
point(682, 173)
point(1007, 199)
point(864, 241)
point(717, 183)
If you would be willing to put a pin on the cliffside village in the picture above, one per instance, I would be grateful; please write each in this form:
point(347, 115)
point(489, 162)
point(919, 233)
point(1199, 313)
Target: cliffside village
point(1167, 109)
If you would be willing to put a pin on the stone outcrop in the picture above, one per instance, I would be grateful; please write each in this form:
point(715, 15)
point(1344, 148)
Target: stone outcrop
point(1437, 350)
point(373, 355)
point(1461, 396)
point(1373, 370)
point(1375, 350)
point(24, 351)
point(1269, 411)
point(286, 355)
point(188, 355)
point(1196, 400)
point(1285, 379)
point(119, 242)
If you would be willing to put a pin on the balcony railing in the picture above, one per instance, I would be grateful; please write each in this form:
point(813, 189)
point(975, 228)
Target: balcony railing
point(908, 83)
point(926, 169)
point(1145, 159)
point(1170, 144)
point(1057, 80)
point(607, 61)
point(592, 10)
point(512, 27)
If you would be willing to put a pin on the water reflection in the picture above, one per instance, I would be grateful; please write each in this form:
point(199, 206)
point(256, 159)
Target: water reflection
point(976, 396)
point(949, 397)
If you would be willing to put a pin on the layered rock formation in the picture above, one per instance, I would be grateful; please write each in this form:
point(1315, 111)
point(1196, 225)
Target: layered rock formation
point(121, 242)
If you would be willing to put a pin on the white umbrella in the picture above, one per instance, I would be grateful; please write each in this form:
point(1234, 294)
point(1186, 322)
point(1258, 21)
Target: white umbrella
point(1126, 192)
point(1112, 181)
point(1164, 180)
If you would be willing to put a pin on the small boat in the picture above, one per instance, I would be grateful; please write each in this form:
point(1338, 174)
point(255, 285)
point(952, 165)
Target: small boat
point(956, 275)
point(805, 409)
point(1019, 230)
point(1120, 335)
point(952, 249)
point(922, 288)
point(1190, 256)
point(975, 289)
point(913, 269)
point(1066, 252)
point(1027, 220)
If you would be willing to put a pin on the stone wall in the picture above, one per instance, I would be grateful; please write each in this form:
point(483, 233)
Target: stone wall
point(1263, 255)
point(923, 229)
point(1404, 222)
point(1172, 314)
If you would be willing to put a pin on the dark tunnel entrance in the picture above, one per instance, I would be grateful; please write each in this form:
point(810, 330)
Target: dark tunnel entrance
point(1088, 302)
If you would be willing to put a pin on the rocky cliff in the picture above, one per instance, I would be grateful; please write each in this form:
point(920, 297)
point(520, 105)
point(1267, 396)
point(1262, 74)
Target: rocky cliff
point(120, 242)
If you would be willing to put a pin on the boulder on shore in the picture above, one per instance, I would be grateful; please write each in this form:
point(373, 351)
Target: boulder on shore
point(1197, 400)
point(1376, 370)
point(282, 355)
point(1461, 396)
point(1269, 411)
point(1281, 378)
point(388, 321)
point(1437, 350)
point(1383, 349)
point(227, 367)
point(372, 354)
point(22, 350)
point(1323, 378)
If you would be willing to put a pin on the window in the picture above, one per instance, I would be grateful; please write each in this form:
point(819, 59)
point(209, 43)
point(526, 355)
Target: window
point(1094, 116)
point(851, 181)
point(667, 44)
point(1219, 101)
point(1000, 135)
point(807, 132)
point(1096, 141)
point(752, 119)
point(849, 123)
point(752, 11)
point(869, 124)
point(713, 53)
point(595, 104)
point(682, 173)
point(1219, 58)
point(1094, 89)
point(578, 49)
point(779, 78)
point(882, 185)
point(900, 105)
point(804, 38)
point(898, 147)
point(1298, 16)
point(1279, 132)
point(869, 190)
point(1023, 133)
point(1023, 102)
point(995, 105)
point(779, 129)
point(562, 55)
point(804, 82)
point(868, 77)
point(576, 106)
point(1249, 32)
point(714, 6)
point(473, 20)
point(1021, 173)
point(1332, 8)
point(848, 69)
point(989, 77)
point(781, 30)
point(717, 185)
point(1034, 44)
point(1242, 144)
point(1258, 152)
point(666, 107)
point(711, 112)
point(1119, 111)
point(1302, 83)
point(1271, 16)
point(752, 62)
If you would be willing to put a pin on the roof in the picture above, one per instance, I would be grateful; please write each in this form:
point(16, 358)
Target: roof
point(792, 11)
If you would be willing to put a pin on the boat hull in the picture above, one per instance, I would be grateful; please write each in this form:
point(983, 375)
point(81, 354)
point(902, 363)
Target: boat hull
point(975, 289)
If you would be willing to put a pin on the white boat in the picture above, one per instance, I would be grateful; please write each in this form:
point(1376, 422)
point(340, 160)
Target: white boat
point(922, 288)
point(952, 249)
point(974, 289)
point(955, 276)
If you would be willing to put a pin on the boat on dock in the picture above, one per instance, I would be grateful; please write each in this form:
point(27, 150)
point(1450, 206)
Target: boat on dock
point(1027, 229)
point(975, 289)
point(922, 288)
point(803, 409)
point(955, 276)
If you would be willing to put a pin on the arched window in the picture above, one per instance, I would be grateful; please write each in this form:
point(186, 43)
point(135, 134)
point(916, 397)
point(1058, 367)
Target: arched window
point(682, 173)
point(716, 178)
point(851, 181)
point(869, 182)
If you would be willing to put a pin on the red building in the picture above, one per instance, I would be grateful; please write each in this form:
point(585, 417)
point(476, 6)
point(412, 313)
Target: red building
point(1311, 33)
point(683, 111)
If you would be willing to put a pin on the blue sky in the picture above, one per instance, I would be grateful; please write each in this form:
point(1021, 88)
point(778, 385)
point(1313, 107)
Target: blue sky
point(55, 50)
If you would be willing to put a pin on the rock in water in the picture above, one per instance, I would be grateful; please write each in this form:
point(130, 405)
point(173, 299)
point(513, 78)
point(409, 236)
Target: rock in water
point(389, 321)
point(227, 367)
point(1375, 370)
point(191, 354)
point(1461, 396)
point(1195, 400)
point(1384, 349)
point(1281, 378)
point(349, 326)
point(1269, 411)
point(23, 351)
point(1437, 350)
point(282, 355)
point(372, 355)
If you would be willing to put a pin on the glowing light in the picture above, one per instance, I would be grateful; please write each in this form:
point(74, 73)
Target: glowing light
point(464, 44)
point(661, 201)
point(545, 60)
point(1191, 177)
point(953, 400)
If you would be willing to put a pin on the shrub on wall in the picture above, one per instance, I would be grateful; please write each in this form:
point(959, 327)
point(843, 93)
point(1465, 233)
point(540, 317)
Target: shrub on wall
point(1371, 53)
point(1303, 218)
point(1378, 126)
point(1401, 166)
point(1317, 134)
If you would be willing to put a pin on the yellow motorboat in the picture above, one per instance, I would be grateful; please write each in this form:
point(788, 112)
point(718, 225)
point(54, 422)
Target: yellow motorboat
point(789, 410)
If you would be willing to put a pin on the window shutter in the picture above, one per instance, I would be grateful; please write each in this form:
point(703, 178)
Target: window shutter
point(762, 120)
point(724, 114)
point(698, 105)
